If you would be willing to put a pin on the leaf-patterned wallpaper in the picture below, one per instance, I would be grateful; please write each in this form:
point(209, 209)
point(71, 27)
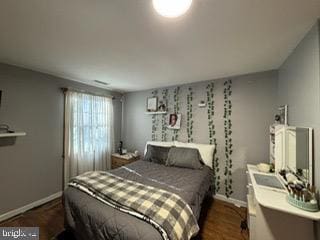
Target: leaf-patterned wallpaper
point(240, 135)
point(184, 102)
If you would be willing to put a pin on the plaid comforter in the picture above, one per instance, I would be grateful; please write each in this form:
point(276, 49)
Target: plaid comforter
point(166, 211)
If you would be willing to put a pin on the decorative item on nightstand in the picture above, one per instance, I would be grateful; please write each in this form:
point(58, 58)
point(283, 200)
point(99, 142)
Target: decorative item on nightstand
point(120, 149)
point(118, 160)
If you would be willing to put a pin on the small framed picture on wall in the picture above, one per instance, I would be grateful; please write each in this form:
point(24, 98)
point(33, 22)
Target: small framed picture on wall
point(152, 104)
point(174, 121)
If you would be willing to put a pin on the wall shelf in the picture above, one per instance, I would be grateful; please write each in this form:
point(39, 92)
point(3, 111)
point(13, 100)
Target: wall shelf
point(153, 113)
point(14, 134)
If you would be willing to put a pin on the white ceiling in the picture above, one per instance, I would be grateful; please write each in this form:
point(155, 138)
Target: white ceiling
point(125, 43)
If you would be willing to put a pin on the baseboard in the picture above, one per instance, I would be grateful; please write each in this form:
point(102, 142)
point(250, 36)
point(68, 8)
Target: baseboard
point(236, 202)
point(25, 208)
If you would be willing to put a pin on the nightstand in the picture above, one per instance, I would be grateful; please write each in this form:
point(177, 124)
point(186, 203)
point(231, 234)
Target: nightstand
point(118, 160)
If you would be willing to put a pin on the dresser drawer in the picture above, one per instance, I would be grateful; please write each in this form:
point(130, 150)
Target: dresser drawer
point(119, 162)
point(116, 164)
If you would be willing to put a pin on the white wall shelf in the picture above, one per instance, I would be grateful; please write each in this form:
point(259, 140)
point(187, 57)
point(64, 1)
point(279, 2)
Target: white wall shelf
point(15, 134)
point(153, 113)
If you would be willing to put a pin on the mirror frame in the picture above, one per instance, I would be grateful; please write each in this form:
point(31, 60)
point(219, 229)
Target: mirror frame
point(310, 166)
point(281, 151)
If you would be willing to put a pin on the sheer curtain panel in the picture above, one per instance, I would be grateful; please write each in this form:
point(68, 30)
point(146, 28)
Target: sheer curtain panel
point(88, 133)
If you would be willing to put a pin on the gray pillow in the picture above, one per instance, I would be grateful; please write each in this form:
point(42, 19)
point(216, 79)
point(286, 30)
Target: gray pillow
point(184, 157)
point(157, 154)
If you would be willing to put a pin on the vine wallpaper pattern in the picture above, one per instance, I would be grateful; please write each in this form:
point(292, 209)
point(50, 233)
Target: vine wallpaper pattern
point(252, 103)
point(154, 119)
point(212, 133)
point(176, 109)
point(228, 137)
point(186, 134)
point(164, 130)
point(189, 115)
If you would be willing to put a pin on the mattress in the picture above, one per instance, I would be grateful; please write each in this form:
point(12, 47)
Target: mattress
point(88, 218)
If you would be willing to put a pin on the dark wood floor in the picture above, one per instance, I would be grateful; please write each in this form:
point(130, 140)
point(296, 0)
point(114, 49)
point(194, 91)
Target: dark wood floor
point(48, 217)
point(220, 222)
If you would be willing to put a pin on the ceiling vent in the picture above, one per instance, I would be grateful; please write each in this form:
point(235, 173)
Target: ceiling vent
point(100, 82)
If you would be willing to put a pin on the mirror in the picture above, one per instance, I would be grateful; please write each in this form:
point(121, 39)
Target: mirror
point(298, 154)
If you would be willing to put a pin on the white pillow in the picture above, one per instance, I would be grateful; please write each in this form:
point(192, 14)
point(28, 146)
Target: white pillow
point(206, 150)
point(154, 143)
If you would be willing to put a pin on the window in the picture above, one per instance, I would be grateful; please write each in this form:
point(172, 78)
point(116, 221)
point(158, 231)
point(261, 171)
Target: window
point(88, 133)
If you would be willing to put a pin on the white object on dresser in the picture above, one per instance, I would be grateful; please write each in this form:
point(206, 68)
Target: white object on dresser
point(280, 153)
point(286, 150)
point(271, 217)
point(272, 143)
point(263, 167)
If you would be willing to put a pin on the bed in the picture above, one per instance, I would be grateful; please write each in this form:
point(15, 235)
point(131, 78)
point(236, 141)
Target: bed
point(89, 218)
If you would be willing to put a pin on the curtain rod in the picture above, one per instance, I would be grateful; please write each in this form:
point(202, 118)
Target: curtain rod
point(88, 92)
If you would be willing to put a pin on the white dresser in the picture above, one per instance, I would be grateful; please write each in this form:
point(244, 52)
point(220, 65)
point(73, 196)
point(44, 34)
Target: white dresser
point(271, 217)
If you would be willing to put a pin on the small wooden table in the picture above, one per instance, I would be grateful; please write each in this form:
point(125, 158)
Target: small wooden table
point(118, 160)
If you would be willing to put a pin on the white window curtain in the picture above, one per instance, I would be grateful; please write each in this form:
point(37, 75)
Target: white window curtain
point(88, 133)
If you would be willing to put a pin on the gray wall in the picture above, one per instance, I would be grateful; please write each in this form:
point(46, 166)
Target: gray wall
point(31, 169)
point(254, 105)
point(299, 85)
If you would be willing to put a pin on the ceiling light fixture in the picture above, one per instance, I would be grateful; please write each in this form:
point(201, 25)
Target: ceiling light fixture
point(171, 8)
